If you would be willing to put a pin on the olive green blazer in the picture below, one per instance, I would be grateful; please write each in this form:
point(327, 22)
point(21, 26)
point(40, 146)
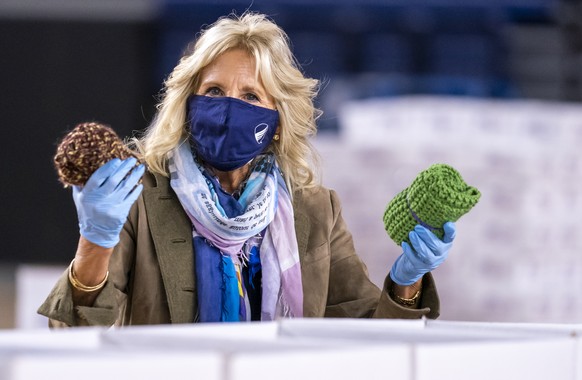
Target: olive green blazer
point(152, 280)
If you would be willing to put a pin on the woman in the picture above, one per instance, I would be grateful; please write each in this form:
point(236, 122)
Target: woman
point(232, 224)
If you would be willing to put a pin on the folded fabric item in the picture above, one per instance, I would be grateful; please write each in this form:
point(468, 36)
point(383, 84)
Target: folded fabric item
point(436, 196)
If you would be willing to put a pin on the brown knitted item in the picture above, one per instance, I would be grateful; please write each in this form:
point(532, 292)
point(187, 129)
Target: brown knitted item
point(84, 149)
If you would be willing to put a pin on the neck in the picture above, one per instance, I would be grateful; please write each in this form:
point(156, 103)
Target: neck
point(231, 180)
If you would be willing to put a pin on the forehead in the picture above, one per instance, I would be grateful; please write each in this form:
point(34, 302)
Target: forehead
point(235, 63)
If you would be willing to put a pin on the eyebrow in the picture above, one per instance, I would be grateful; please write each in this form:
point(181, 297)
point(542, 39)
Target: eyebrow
point(245, 88)
point(256, 89)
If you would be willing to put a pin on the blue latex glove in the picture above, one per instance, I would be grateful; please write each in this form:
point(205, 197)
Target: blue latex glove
point(427, 253)
point(103, 203)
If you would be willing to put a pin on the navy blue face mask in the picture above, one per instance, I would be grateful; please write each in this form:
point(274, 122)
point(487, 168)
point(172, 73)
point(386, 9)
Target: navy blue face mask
point(227, 133)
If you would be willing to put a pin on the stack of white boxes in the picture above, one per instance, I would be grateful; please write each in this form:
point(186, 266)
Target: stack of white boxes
point(517, 256)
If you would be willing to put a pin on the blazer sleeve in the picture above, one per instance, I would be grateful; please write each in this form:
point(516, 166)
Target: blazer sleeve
point(352, 294)
point(110, 303)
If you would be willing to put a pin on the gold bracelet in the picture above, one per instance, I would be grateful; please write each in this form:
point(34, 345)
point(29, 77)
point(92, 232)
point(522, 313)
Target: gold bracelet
point(84, 288)
point(406, 301)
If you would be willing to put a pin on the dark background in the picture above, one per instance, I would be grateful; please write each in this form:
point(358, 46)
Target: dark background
point(53, 75)
point(61, 70)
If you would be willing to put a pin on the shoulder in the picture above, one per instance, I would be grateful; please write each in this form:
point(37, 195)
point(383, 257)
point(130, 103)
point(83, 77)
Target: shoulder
point(318, 202)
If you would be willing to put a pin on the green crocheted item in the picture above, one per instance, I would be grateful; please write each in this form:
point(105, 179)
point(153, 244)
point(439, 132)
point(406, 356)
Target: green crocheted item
point(436, 196)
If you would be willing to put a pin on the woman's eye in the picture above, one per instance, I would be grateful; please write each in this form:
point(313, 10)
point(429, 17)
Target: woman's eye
point(213, 91)
point(250, 97)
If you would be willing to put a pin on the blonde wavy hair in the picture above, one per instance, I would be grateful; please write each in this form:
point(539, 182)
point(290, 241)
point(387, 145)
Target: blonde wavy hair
point(279, 72)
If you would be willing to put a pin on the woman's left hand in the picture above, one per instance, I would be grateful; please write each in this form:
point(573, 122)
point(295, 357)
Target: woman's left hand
point(426, 254)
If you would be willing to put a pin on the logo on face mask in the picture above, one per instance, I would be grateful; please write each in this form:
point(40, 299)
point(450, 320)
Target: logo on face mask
point(260, 132)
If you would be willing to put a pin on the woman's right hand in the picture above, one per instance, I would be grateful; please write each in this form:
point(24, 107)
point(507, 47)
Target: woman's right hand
point(104, 202)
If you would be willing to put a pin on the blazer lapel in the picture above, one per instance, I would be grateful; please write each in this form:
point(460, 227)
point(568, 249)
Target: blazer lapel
point(172, 235)
point(302, 228)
